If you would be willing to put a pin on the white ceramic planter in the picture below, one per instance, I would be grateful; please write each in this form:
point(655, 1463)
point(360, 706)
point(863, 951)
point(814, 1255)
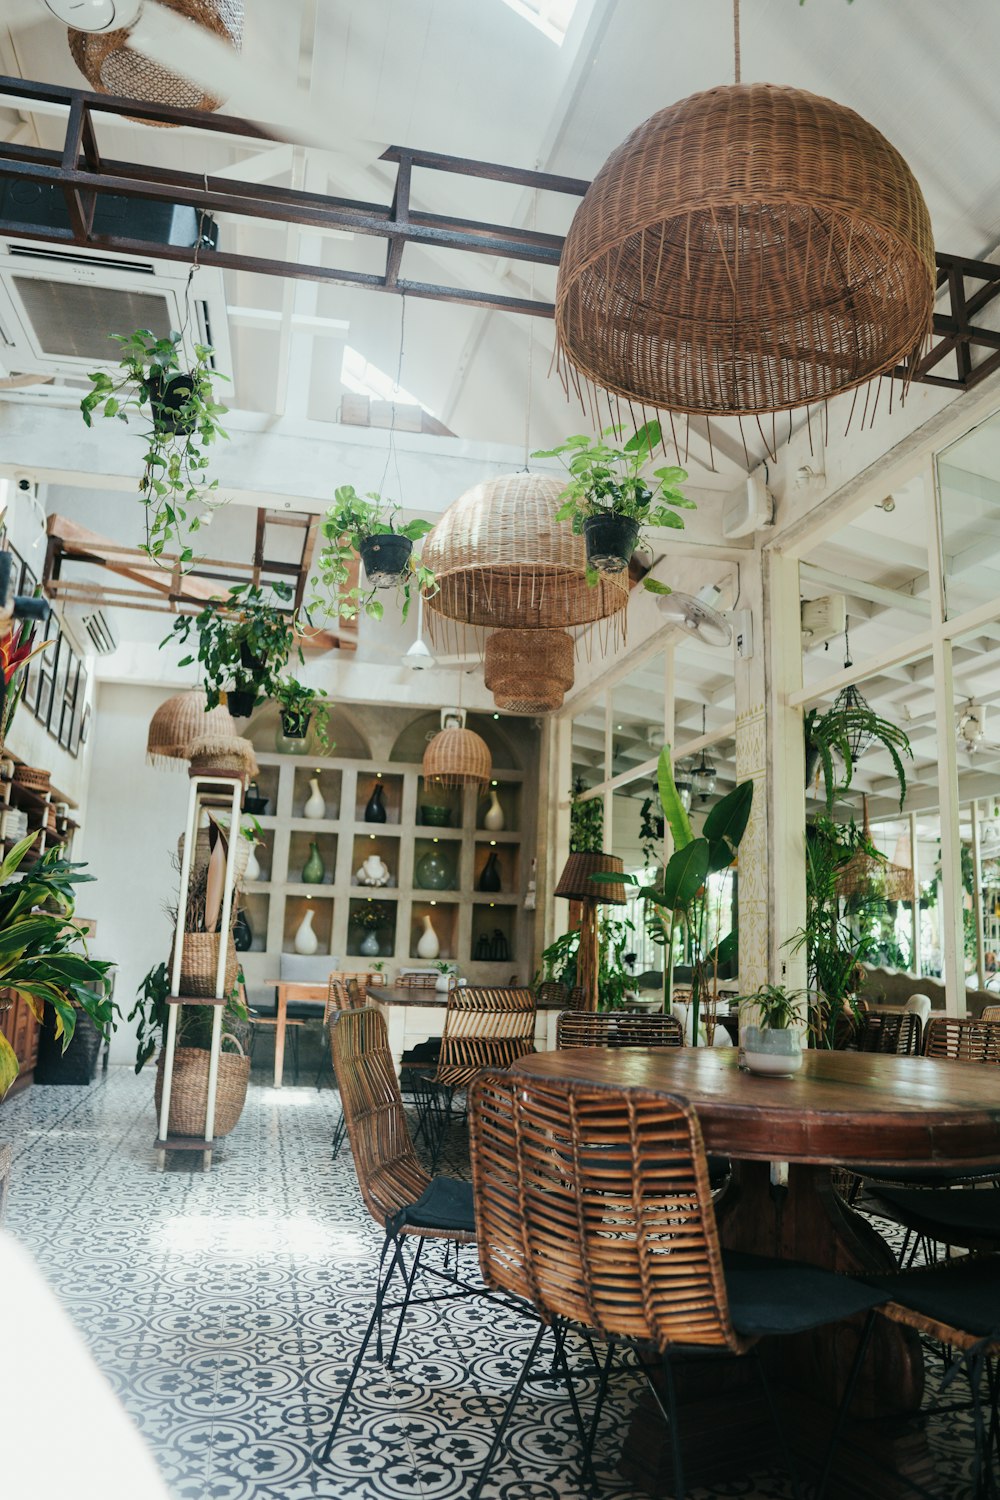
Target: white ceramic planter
point(771, 1053)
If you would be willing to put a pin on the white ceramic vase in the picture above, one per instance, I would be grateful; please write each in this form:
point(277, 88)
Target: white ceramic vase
point(306, 941)
point(252, 871)
point(428, 946)
point(315, 807)
point(444, 983)
point(494, 819)
point(369, 944)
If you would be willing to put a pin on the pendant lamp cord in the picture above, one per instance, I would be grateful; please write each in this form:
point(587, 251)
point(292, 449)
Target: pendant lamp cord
point(847, 644)
point(736, 41)
point(391, 456)
point(531, 342)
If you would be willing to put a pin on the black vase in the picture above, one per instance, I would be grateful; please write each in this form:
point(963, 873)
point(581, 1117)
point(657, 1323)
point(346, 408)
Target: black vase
point(385, 557)
point(610, 541)
point(168, 401)
point(241, 702)
point(242, 933)
point(489, 880)
point(375, 807)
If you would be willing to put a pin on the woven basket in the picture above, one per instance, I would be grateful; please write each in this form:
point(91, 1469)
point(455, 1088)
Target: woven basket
point(749, 249)
point(529, 671)
point(32, 778)
point(221, 755)
point(112, 67)
point(199, 960)
point(501, 559)
point(178, 721)
point(189, 1089)
point(457, 757)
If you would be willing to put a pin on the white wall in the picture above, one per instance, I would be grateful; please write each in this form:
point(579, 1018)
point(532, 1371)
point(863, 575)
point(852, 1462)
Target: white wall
point(134, 815)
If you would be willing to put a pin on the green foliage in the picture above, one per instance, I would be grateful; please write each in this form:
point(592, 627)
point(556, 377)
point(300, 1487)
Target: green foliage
point(349, 522)
point(243, 643)
point(43, 954)
point(777, 1008)
point(299, 704)
point(586, 821)
point(372, 916)
point(194, 1023)
point(174, 487)
point(614, 944)
point(828, 734)
point(606, 478)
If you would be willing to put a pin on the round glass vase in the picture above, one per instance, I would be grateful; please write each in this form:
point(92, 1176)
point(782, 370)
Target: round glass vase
point(435, 871)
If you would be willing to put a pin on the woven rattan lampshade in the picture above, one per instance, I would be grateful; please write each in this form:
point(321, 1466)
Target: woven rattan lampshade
point(529, 671)
point(501, 559)
point(458, 757)
point(111, 66)
point(180, 720)
point(576, 885)
point(863, 875)
point(748, 249)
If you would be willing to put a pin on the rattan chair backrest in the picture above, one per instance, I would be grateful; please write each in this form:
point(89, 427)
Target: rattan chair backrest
point(484, 1028)
point(896, 1031)
point(389, 1174)
point(617, 1029)
point(965, 1041)
point(594, 1204)
point(990, 1013)
point(552, 993)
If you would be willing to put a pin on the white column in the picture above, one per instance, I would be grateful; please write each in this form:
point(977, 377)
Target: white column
point(977, 896)
point(915, 912)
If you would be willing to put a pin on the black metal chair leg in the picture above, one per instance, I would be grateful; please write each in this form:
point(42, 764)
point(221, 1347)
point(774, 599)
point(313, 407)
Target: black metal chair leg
point(587, 1475)
point(406, 1300)
point(515, 1396)
point(602, 1391)
point(668, 1411)
point(338, 1137)
point(845, 1404)
point(375, 1321)
point(441, 1129)
point(776, 1423)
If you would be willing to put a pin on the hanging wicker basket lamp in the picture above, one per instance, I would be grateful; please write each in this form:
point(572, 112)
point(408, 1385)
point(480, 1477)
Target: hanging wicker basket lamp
point(458, 757)
point(529, 671)
point(749, 249)
point(501, 559)
point(866, 876)
point(111, 66)
point(180, 720)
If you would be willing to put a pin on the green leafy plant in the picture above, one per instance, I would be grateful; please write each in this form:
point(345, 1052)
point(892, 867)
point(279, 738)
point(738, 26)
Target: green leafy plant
point(651, 830)
point(351, 521)
point(586, 821)
point(243, 642)
point(194, 1023)
point(43, 954)
point(300, 704)
point(828, 734)
point(372, 916)
point(776, 1009)
point(614, 947)
point(606, 478)
point(156, 383)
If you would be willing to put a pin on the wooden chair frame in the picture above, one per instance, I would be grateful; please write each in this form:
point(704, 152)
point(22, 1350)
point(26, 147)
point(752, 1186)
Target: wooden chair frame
point(617, 1029)
point(963, 1041)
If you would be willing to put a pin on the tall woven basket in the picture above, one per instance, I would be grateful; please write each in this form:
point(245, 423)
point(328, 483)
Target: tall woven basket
point(198, 964)
point(189, 1089)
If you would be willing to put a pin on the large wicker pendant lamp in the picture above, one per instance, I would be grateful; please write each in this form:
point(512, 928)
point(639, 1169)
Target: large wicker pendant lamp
point(529, 671)
point(458, 757)
point(111, 66)
point(749, 249)
point(179, 721)
point(501, 559)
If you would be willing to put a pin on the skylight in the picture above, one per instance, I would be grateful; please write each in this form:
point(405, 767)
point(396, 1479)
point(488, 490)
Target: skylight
point(365, 379)
point(551, 17)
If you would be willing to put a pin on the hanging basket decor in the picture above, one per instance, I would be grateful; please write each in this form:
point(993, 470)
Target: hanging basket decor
point(458, 757)
point(750, 249)
point(222, 755)
point(111, 66)
point(529, 671)
point(501, 559)
point(180, 720)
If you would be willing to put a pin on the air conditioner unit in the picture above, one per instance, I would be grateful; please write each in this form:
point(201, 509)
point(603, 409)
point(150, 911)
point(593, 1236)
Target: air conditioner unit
point(95, 628)
point(59, 303)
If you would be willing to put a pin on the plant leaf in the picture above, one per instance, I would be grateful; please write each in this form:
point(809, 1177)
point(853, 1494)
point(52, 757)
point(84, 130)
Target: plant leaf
point(685, 875)
point(729, 817)
point(673, 809)
point(8, 1065)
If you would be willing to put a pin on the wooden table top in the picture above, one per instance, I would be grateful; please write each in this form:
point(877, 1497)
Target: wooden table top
point(842, 1107)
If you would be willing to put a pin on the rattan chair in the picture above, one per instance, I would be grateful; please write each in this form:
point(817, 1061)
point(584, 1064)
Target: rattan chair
point(990, 1013)
point(617, 1028)
point(399, 1194)
point(342, 994)
point(552, 994)
point(483, 1028)
point(963, 1041)
point(593, 1205)
point(890, 1031)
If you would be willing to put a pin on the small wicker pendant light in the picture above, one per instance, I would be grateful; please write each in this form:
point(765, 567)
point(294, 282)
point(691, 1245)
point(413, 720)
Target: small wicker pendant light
point(850, 701)
point(458, 757)
point(111, 66)
point(501, 559)
point(180, 720)
point(529, 671)
point(575, 884)
point(749, 249)
point(863, 875)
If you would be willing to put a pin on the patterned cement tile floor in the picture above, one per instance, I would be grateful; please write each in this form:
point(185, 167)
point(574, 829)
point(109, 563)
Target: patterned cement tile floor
point(225, 1307)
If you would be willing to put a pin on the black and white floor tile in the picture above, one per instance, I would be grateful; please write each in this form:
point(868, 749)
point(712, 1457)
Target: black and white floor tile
point(225, 1308)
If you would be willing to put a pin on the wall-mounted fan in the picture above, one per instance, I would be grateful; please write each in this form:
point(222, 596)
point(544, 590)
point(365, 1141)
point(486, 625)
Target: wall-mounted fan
point(697, 619)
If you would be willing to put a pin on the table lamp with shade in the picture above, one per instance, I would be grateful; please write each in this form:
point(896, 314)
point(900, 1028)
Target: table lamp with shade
point(575, 884)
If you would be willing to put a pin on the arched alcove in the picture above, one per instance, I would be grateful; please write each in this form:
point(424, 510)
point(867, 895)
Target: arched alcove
point(412, 742)
point(346, 740)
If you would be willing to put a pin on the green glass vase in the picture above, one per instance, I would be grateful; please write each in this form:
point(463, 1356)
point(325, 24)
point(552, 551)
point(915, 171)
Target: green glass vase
point(314, 869)
point(435, 871)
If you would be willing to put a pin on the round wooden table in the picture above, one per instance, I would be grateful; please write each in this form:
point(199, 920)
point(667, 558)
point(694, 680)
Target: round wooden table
point(842, 1108)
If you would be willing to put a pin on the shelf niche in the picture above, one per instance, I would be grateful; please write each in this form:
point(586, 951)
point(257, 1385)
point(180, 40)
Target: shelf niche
point(392, 796)
point(296, 908)
point(256, 905)
point(329, 785)
point(299, 851)
point(444, 920)
point(387, 849)
point(386, 935)
point(431, 795)
point(508, 863)
point(449, 853)
point(487, 922)
point(509, 797)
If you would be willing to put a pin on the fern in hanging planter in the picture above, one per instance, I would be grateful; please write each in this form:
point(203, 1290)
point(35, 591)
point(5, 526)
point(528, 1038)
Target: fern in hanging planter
point(176, 399)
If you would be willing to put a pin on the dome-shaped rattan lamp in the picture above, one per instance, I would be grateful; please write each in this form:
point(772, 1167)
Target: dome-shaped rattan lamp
point(111, 66)
point(752, 248)
point(529, 671)
point(458, 757)
point(180, 720)
point(500, 558)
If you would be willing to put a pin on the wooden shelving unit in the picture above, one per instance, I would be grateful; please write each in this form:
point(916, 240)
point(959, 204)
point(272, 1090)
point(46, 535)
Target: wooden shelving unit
point(36, 805)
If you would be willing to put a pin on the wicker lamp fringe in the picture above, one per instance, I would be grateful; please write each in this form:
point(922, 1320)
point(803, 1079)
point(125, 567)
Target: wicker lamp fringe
point(749, 249)
point(178, 721)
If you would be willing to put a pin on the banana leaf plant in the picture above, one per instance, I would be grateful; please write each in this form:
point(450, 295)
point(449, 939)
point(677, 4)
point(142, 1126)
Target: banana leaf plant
point(43, 955)
point(678, 897)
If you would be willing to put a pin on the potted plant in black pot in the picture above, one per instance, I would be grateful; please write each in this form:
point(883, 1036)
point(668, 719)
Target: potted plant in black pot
point(159, 382)
point(244, 643)
point(302, 708)
point(367, 527)
point(610, 501)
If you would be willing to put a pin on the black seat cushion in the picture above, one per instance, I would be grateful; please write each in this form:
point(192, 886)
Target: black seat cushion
point(446, 1203)
point(296, 1010)
point(964, 1293)
point(424, 1054)
point(785, 1296)
point(950, 1215)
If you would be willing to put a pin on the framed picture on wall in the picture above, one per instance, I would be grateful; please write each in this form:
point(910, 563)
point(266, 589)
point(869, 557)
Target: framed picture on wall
point(44, 664)
point(69, 692)
point(62, 651)
point(81, 713)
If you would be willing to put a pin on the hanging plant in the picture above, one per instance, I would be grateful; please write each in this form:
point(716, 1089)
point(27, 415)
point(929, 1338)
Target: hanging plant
point(367, 527)
point(586, 821)
point(177, 402)
point(609, 500)
point(830, 733)
point(302, 707)
point(243, 645)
